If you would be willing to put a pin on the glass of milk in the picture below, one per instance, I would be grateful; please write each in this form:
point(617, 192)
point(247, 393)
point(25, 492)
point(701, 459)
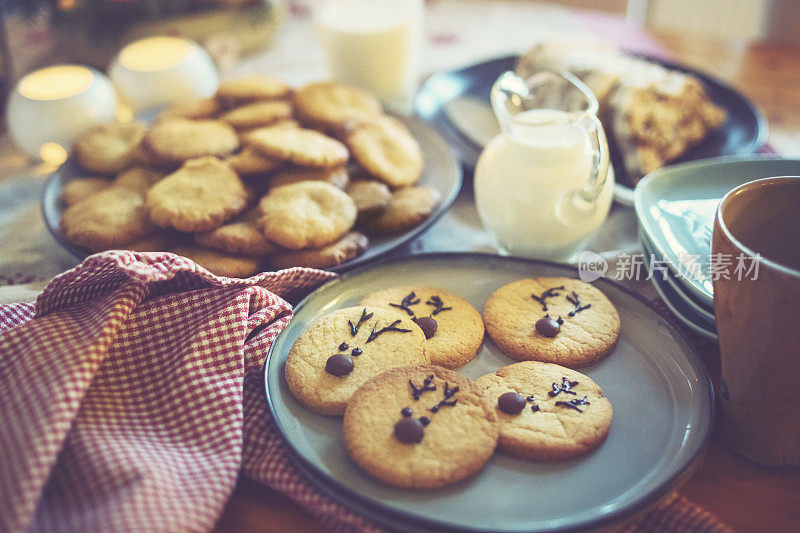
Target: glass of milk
point(543, 184)
point(375, 45)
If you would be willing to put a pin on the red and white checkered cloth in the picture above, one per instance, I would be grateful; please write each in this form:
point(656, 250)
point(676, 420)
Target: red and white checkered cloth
point(131, 397)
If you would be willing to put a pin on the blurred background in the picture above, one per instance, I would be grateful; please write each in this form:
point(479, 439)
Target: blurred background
point(91, 31)
point(722, 36)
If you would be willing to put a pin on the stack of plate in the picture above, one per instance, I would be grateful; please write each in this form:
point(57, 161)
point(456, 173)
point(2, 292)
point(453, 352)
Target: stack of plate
point(675, 206)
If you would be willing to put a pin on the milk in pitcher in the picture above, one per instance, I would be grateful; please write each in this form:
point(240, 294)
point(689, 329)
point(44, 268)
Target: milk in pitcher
point(526, 181)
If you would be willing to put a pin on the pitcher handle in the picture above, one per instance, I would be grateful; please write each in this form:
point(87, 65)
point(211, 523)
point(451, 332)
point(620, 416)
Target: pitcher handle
point(597, 137)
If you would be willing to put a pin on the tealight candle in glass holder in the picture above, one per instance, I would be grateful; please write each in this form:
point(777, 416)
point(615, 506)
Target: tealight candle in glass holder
point(49, 108)
point(162, 71)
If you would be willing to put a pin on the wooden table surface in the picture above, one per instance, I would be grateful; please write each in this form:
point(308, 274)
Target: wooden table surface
point(746, 496)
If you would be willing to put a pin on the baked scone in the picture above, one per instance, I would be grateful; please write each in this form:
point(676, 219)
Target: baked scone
point(654, 114)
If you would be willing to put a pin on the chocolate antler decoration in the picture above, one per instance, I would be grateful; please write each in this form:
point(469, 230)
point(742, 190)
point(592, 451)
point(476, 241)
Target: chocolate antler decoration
point(438, 304)
point(566, 387)
point(448, 400)
point(410, 299)
point(364, 317)
point(573, 404)
point(426, 386)
point(391, 327)
point(574, 300)
point(549, 293)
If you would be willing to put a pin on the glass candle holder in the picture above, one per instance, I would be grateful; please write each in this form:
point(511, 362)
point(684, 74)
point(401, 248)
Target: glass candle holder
point(162, 71)
point(49, 108)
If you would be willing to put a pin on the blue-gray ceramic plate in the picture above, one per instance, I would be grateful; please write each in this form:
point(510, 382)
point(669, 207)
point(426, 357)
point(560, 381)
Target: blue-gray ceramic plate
point(676, 205)
point(456, 102)
point(666, 274)
point(679, 306)
point(442, 172)
point(659, 389)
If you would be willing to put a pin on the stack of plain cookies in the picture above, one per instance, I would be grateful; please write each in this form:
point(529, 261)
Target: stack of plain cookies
point(410, 419)
point(258, 176)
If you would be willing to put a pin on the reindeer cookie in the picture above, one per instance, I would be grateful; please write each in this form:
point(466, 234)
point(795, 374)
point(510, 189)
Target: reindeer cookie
point(420, 427)
point(546, 412)
point(342, 350)
point(453, 327)
point(555, 320)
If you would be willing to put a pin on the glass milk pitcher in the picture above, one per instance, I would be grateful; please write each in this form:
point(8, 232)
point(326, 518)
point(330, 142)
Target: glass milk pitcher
point(543, 184)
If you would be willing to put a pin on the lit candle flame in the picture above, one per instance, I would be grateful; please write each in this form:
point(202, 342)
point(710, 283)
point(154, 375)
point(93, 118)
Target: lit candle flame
point(155, 53)
point(55, 83)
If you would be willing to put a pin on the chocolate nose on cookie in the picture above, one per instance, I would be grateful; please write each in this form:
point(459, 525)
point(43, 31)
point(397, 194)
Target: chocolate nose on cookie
point(511, 403)
point(548, 326)
point(427, 324)
point(409, 430)
point(339, 364)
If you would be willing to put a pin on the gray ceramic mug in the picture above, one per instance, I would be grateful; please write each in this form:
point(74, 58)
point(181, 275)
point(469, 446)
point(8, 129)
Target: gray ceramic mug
point(756, 265)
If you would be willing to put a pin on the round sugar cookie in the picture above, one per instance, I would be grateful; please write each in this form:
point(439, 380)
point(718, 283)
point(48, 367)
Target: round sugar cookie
point(420, 427)
point(371, 197)
point(107, 219)
point(76, 190)
point(220, 263)
point(109, 148)
point(335, 176)
point(453, 328)
point(251, 88)
point(239, 236)
point(173, 141)
point(338, 352)
point(257, 114)
point(555, 320)
point(202, 195)
point(546, 412)
point(138, 178)
point(250, 162)
point(408, 208)
point(386, 149)
point(193, 109)
point(348, 247)
point(307, 214)
point(300, 146)
point(330, 105)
